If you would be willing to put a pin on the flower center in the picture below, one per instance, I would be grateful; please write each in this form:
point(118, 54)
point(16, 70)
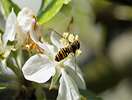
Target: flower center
point(31, 46)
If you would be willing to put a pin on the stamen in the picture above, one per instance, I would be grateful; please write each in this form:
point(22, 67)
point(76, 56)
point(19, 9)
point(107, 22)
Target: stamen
point(65, 34)
point(71, 38)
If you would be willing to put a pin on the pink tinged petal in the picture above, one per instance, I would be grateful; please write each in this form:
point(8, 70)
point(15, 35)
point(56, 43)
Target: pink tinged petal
point(38, 68)
point(76, 75)
point(55, 39)
point(71, 87)
point(33, 21)
point(10, 29)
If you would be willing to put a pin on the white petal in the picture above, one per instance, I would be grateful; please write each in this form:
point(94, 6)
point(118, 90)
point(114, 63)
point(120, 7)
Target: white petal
point(33, 4)
point(55, 39)
point(38, 68)
point(71, 87)
point(10, 30)
point(76, 75)
point(62, 90)
point(25, 18)
point(34, 36)
point(49, 49)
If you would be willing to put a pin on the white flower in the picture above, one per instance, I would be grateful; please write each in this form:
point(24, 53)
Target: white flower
point(4, 52)
point(40, 68)
point(21, 27)
point(10, 29)
point(68, 89)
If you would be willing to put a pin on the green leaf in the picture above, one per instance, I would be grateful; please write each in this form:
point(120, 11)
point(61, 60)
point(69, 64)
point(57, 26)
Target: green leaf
point(2, 56)
point(40, 95)
point(66, 1)
point(13, 64)
point(49, 9)
point(60, 25)
point(3, 86)
point(10, 43)
point(7, 6)
point(22, 57)
point(1, 31)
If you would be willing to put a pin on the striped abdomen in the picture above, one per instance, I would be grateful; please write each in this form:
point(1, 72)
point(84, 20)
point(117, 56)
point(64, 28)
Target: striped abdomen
point(64, 52)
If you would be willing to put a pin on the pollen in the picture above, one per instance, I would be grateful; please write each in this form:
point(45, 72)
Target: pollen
point(71, 37)
point(76, 37)
point(65, 34)
point(78, 52)
point(27, 46)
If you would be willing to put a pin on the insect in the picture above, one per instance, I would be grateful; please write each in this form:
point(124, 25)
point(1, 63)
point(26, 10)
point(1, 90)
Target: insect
point(64, 52)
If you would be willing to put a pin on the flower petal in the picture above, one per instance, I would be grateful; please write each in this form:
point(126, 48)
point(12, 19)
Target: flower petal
point(62, 90)
point(38, 68)
point(76, 75)
point(55, 39)
point(25, 18)
point(49, 49)
point(10, 30)
point(71, 87)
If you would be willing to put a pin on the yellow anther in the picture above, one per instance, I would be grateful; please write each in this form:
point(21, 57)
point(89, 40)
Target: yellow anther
point(27, 46)
point(71, 38)
point(76, 37)
point(65, 34)
point(78, 52)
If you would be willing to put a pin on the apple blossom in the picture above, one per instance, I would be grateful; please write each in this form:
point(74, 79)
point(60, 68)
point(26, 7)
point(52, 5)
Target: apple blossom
point(22, 28)
point(41, 67)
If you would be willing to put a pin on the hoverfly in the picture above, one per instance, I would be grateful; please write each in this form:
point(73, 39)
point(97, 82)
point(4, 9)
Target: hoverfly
point(64, 52)
point(72, 47)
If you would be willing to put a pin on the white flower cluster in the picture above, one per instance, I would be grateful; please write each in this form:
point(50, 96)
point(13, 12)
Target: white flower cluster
point(41, 67)
point(20, 28)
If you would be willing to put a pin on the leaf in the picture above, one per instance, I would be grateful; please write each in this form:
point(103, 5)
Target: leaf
point(3, 86)
point(61, 25)
point(10, 43)
point(49, 9)
point(7, 6)
point(40, 95)
point(13, 64)
point(1, 31)
point(66, 1)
